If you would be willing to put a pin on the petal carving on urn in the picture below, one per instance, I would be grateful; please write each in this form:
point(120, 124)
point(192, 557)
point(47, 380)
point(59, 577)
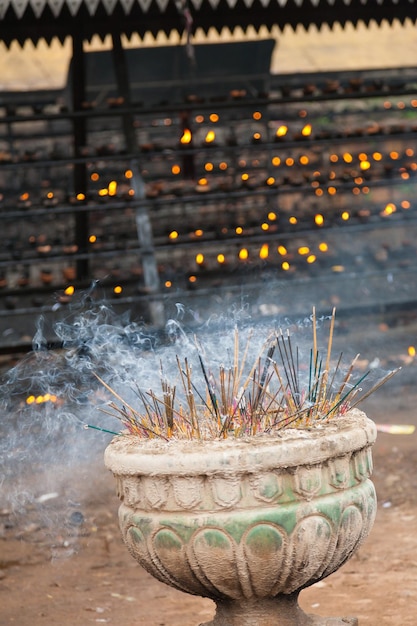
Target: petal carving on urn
point(136, 542)
point(349, 534)
point(266, 487)
point(145, 555)
point(226, 490)
point(170, 551)
point(339, 472)
point(132, 491)
point(369, 461)
point(307, 481)
point(188, 491)
point(265, 555)
point(125, 515)
point(156, 491)
point(361, 465)
point(370, 508)
point(119, 487)
point(309, 544)
point(213, 554)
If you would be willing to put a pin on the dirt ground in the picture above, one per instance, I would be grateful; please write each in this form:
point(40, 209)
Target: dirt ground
point(84, 574)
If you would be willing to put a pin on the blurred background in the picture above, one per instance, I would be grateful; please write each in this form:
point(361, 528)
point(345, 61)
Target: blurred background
point(214, 168)
point(170, 168)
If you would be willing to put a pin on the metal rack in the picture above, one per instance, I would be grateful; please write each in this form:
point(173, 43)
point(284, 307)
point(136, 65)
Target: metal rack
point(347, 157)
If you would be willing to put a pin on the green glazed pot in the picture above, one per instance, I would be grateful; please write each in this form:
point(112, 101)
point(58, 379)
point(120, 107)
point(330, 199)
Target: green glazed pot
point(248, 522)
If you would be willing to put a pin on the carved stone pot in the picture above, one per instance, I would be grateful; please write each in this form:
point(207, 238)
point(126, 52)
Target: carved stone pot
point(248, 522)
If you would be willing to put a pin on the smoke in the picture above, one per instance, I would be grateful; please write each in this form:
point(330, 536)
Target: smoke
point(49, 397)
point(55, 410)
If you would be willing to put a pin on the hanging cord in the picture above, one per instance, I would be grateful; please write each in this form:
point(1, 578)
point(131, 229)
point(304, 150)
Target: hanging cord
point(184, 10)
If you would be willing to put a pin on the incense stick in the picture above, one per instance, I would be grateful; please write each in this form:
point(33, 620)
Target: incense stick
point(275, 393)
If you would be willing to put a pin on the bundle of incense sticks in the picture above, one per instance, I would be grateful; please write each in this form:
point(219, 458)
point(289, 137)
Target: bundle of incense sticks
point(271, 396)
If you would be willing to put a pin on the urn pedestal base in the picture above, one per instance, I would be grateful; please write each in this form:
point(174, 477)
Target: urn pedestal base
point(280, 611)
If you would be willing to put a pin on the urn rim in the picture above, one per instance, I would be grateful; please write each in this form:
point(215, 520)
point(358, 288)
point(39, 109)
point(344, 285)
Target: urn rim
point(128, 455)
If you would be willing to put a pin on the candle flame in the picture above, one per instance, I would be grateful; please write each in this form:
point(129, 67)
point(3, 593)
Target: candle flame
point(389, 209)
point(264, 251)
point(186, 136)
point(48, 397)
point(112, 188)
point(306, 130)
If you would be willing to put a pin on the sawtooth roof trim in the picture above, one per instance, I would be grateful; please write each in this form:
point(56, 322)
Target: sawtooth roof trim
point(22, 20)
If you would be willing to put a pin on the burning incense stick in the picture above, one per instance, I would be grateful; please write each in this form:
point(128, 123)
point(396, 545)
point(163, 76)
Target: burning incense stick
point(102, 430)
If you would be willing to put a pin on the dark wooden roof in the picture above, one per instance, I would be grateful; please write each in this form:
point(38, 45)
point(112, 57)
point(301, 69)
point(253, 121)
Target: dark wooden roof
point(21, 20)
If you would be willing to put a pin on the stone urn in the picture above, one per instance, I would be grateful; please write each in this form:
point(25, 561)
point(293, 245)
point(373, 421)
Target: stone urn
point(248, 522)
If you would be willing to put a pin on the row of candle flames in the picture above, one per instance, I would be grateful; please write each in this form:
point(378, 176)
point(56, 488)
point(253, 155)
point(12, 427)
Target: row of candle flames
point(363, 160)
point(280, 132)
point(244, 254)
point(319, 218)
